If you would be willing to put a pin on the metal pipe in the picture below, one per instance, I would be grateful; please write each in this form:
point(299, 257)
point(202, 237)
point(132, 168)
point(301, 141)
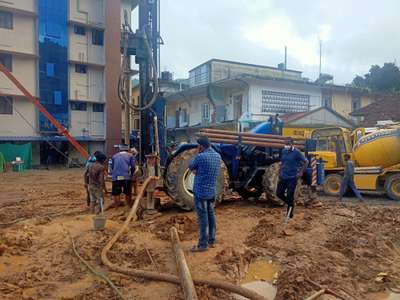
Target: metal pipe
point(254, 137)
point(270, 136)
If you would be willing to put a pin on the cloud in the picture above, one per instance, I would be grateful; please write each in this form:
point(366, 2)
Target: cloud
point(279, 31)
point(355, 34)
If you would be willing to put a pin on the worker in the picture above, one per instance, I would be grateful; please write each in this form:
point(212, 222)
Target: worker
point(91, 160)
point(135, 175)
point(122, 168)
point(95, 183)
point(348, 179)
point(206, 166)
point(293, 165)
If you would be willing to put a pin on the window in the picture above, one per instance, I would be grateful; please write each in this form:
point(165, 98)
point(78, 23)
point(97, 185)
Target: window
point(57, 98)
point(6, 60)
point(6, 20)
point(80, 69)
point(282, 102)
point(97, 37)
point(355, 103)
point(80, 30)
point(98, 107)
point(205, 112)
point(81, 106)
point(6, 106)
point(50, 69)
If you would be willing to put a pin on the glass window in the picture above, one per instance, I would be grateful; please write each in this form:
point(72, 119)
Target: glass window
point(80, 30)
point(6, 106)
point(97, 37)
point(57, 97)
point(6, 20)
point(80, 69)
point(50, 69)
point(81, 106)
point(6, 60)
point(205, 112)
point(98, 107)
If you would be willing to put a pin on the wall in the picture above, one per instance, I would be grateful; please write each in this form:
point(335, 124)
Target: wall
point(82, 50)
point(15, 125)
point(87, 123)
point(342, 103)
point(256, 88)
point(87, 11)
point(222, 70)
point(87, 87)
point(24, 69)
point(25, 5)
point(22, 38)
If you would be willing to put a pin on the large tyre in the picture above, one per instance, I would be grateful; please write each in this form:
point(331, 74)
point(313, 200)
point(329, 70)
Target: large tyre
point(392, 187)
point(332, 184)
point(270, 183)
point(179, 180)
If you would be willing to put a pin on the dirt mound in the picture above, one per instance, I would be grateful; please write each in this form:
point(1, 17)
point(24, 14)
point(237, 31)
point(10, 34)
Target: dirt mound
point(186, 226)
point(232, 263)
point(262, 233)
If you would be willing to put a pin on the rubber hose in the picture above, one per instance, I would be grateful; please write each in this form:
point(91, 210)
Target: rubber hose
point(162, 276)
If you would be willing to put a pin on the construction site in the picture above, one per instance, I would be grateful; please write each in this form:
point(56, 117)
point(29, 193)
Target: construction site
point(306, 198)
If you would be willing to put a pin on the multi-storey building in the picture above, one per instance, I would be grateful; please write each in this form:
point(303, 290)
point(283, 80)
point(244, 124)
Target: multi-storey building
point(66, 53)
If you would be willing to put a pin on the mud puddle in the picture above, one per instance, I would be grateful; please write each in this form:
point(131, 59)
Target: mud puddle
point(260, 277)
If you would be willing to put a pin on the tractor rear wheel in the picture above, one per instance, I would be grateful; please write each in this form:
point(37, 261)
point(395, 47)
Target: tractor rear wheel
point(270, 183)
point(179, 180)
point(332, 184)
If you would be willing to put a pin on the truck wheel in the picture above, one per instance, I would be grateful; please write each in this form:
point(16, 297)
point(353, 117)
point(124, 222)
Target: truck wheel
point(270, 183)
point(392, 187)
point(179, 180)
point(332, 184)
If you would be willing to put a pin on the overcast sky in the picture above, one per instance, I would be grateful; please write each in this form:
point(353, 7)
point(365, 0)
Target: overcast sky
point(355, 34)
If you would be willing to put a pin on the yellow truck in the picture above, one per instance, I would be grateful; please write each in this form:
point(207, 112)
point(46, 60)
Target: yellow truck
point(376, 152)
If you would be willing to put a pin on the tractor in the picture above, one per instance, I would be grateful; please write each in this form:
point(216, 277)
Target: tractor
point(250, 165)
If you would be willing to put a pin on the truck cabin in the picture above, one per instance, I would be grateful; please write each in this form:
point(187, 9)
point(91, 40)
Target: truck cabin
point(331, 145)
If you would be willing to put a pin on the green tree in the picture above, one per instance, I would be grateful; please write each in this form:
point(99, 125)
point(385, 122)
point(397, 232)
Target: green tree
point(384, 79)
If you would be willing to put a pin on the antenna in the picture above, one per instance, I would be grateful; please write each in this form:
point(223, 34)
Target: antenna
point(285, 57)
point(320, 57)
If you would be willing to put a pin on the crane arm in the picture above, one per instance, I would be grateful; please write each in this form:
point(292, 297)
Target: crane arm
point(61, 129)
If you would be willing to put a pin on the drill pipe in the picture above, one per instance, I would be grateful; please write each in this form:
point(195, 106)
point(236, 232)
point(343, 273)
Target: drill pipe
point(260, 143)
point(249, 134)
point(254, 138)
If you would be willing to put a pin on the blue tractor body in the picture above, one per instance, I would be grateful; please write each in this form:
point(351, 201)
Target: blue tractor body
point(246, 165)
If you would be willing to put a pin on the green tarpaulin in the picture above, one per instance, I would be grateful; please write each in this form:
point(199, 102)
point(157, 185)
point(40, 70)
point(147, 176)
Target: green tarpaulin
point(2, 163)
point(11, 151)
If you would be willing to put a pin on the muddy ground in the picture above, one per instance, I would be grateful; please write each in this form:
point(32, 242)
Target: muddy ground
point(339, 246)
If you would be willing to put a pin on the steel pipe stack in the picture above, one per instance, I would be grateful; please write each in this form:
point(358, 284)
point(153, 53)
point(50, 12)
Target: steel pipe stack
point(247, 138)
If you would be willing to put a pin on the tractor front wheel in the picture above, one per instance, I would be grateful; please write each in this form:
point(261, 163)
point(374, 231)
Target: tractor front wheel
point(332, 184)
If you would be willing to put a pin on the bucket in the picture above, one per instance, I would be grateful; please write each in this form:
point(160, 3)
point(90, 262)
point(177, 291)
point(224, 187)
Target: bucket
point(99, 222)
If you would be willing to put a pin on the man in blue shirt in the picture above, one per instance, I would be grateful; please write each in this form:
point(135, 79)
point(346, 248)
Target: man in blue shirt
point(122, 169)
point(206, 166)
point(293, 165)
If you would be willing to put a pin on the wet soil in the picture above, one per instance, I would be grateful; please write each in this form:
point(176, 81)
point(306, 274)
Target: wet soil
point(351, 248)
